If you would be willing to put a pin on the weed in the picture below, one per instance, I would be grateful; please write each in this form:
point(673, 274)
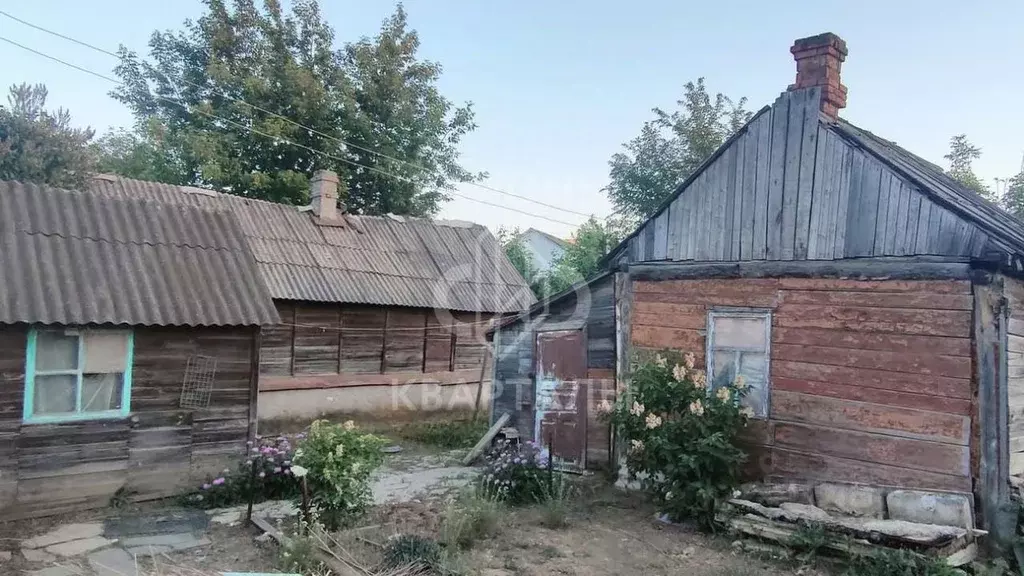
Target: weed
point(299, 556)
point(474, 515)
point(446, 434)
point(405, 549)
point(555, 502)
point(888, 562)
point(810, 540)
point(122, 498)
point(550, 552)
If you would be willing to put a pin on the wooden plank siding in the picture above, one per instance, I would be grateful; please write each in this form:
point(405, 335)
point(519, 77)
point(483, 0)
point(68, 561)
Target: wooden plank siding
point(330, 339)
point(871, 381)
point(1014, 293)
point(788, 187)
point(157, 451)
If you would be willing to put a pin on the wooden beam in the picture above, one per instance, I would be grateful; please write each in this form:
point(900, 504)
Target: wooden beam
point(254, 383)
point(315, 381)
point(623, 341)
point(867, 268)
point(485, 440)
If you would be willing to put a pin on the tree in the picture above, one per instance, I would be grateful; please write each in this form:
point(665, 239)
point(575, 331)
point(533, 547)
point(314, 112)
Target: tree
point(195, 101)
point(670, 148)
point(40, 146)
point(511, 241)
point(1013, 197)
point(961, 155)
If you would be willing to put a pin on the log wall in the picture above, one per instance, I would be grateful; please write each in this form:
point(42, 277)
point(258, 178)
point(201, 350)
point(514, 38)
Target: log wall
point(159, 450)
point(871, 381)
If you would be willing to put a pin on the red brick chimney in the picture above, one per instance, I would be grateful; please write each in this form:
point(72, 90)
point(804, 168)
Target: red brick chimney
point(819, 60)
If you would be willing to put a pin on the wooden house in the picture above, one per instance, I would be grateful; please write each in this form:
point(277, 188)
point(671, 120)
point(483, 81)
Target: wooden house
point(873, 303)
point(129, 348)
point(379, 314)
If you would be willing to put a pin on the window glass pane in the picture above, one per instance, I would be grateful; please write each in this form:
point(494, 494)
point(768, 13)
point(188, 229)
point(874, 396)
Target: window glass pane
point(754, 368)
point(55, 394)
point(56, 350)
point(747, 333)
point(724, 371)
point(105, 351)
point(101, 392)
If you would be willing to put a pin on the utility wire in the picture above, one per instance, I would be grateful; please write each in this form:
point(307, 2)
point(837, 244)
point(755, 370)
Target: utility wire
point(281, 139)
point(294, 123)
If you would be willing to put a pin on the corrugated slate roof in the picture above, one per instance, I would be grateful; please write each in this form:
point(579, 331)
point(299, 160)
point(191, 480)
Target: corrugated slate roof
point(74, 258)
point(384, 260)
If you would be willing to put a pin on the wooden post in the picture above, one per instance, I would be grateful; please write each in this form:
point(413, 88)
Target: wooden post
point(623, 308)
point(254, 384)
point(384, 344)
point(253, 479)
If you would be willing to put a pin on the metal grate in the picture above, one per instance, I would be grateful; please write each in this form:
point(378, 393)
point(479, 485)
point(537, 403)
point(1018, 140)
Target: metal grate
point(198, 383)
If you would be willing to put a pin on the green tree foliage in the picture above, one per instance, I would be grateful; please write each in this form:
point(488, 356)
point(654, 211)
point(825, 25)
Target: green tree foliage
point(511, 241)
point(37, 145)
point(670, 148)
point(589, 243)
point(192, 98)
point(1013, 197)
point(961, 155)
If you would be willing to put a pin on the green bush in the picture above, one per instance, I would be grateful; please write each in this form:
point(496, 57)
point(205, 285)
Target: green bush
point(475, 515)
point(337, 462)
point(406, 549)
point(681, 436)
point(264, 475)
point(516, 473)
point(887, 562)
point(448, 434)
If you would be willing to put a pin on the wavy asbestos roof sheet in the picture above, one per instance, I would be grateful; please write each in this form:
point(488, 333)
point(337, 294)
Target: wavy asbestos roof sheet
point(384, 260)
point(77, 258)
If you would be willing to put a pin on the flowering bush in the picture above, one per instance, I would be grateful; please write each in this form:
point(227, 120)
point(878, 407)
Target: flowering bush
point(337, 461)
point(516, 473)
point(272, 457)
point(681, 437)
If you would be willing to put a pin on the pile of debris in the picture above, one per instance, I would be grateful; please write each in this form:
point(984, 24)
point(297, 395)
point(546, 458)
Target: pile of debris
point(859, 519)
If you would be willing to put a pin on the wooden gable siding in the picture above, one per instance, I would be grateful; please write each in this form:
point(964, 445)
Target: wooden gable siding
point(1014, 292)
point(514, 379)
point(156, 452)
point(870, 380)
point(789, 188)
point(349, 339)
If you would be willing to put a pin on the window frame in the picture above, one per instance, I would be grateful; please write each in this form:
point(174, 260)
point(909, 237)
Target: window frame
point(28, 403)
point(709, 352)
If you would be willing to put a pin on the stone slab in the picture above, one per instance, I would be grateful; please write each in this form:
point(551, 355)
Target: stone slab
point(113, 562)
point(941, 508)
point(149, 550)
point(5, 556)
point(56, 571)
point(35, 555)
point(774, 494)
point(160, 522)
point(850, 500)
point(65, 533)
point(182, 541)
point(78, 547)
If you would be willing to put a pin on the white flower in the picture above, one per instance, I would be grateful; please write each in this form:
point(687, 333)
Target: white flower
point(747, 411)
point(689, 360)
point(604, 407)
point(637, 409)
point(637, 446)
point(298, 454)
point(349, 425)
point(736, 493)
point(740, 383)
point(700, 379)
point(653, 421)
point(679, 372)
point(660, 360)
point(339, 450)
point(299, 471)
point(668, 496)
point(723, 394)
point(697, 408)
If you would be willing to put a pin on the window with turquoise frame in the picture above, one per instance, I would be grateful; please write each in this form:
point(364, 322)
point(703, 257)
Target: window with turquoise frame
point(76, 374)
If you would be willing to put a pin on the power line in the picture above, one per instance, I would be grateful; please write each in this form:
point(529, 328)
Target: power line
point(290, 121)
point(284, 140)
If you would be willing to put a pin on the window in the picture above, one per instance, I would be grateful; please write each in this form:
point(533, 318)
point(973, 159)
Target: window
point(738, 343)
point(73, 374)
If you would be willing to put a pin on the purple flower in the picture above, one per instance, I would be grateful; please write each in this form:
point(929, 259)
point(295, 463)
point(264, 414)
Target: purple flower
point(218, 481)
point(263, 474)
point(277, 469)
point(206, 486)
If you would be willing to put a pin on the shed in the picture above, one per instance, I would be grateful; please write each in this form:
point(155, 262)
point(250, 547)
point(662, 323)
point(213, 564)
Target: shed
point(873, 303)
point(379, 314)
point(129, 348)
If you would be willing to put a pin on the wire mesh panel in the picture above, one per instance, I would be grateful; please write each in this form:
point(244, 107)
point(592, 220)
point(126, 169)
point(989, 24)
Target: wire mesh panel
point(198, 383)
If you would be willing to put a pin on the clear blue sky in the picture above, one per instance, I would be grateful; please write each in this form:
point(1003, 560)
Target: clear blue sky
point(559, 86)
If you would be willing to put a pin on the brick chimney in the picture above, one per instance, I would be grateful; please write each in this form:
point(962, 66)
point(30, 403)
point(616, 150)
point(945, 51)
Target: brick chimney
point(323, 194)
point(819, 60)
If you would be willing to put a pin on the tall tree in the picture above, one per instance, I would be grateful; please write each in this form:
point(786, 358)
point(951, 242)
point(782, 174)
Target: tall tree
point(589, 243)
point(195, 99)
point(961, 155)
point(37, 145)
point(143, 152)
point(671, 147)
point(1013, 197)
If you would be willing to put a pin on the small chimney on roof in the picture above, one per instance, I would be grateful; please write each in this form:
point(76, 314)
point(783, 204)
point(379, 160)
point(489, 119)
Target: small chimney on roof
point(819, 61)
point(323, 194)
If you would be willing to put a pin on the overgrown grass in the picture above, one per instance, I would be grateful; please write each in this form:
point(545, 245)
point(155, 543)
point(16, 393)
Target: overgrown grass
point(475, 515)
point(810, 540)
point(449, 434)
point(889, 562)
point(556, 501)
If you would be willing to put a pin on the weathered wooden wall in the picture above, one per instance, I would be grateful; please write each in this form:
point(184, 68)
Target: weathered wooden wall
point(788, 187)
point(317, 339)
point(1014, 293)
point(156, 452)
point(870, 380)
point(593, 306)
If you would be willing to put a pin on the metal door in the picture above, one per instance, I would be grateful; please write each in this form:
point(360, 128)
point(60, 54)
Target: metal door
point(560, 421)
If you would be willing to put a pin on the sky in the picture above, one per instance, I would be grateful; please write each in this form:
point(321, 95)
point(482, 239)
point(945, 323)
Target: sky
point(558, 87)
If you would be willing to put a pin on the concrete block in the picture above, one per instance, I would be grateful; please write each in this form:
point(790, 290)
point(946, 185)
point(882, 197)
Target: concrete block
point(34, 555)
point(851, 500)
point(771, 494)
point(5, 556)
point(942, 508)
point(77, 547)
point(56, 571)
point(65, 533)
point(180, 541)
point(113, 562)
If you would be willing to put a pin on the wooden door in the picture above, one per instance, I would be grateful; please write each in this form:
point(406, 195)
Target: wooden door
point(561, 403)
